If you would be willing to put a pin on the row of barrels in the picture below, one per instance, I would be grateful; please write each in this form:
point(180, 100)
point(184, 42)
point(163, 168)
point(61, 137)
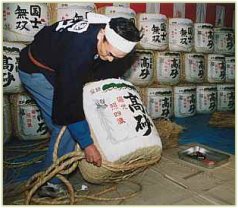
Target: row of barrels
point(21, 21)
point(182, 68)
point(23, 119)
point(164, 68)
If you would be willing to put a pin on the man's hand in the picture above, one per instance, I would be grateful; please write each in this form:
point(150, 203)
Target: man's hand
point(92, 155)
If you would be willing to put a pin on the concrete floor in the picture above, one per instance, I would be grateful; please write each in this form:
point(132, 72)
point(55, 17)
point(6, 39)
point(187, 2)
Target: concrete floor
point(176, 182)
point(170, 182)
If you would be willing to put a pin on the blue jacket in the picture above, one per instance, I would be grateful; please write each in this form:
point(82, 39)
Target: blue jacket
point(73, 56)
point(70, 48)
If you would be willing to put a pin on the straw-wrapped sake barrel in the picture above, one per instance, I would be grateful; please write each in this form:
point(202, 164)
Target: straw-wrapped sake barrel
point(28, 123)
point(216, 71)
point(21, 21)
point(168, 68)
point(224, 41)
point(203, 37)
point(121, 129)
point(230, 69)
point(63, 11)
point(206, 98)
point(155, 31)
point(159, 101)
point(116, 11)
point(11, 80)
point(193, 67)
point(180, 34)
point(184, 100)
point(141, 73)
point(225, 97)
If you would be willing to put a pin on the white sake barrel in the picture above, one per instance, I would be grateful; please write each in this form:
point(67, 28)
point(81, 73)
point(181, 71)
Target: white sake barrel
point(11, 80)
point(121, 129)
point(184, 101)
point(63, 11)
point(27, 119)
point(168, 68)
point(159, 101)
point(230, 69)
point(7, 122)
point(21, 21)
point(155, 31)
point(116, 11)
point(224, 41)
point(216, 71)
point(193, 69)
point(206, 98)
point(180, 34)
point(203, 37)
point(142, 71)
point(225, 97)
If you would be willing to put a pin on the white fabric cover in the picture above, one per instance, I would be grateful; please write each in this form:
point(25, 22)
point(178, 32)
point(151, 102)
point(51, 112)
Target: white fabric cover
point(71, 10)
point(142, 70)
point(180, 34)
point(118, 119)
point(11, 80)
point(203, 37)
point(225, 97)
point(206, 98)
point(216, 71)
point(230, 69)
point(117, 11)
point(224, 41)
point(184, 101)
point(194, 64)
point(155, 31)
point(27, 118)
point(159, 102)
point(23, 20)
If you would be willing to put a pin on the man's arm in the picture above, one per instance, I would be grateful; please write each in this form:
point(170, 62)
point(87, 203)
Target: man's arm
point(68, 101)
point(81, 132)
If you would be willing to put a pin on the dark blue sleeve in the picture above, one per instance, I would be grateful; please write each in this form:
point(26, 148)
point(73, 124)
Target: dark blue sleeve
point(81, 133)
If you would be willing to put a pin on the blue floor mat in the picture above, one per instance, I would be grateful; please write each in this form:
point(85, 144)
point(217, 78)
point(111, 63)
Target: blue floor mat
point(198, 131)
point(13, 170)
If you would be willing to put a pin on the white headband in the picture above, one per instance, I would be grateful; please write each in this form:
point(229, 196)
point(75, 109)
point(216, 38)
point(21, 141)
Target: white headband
point(117, 41)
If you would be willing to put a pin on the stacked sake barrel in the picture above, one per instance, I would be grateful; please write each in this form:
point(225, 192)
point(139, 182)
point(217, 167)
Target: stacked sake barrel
point(192, 66)
point(64, 11)
point(122, 130)
point(21, 21)
point(117, 11)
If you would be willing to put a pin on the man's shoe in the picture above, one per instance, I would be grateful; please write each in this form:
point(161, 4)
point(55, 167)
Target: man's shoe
point(51, 190)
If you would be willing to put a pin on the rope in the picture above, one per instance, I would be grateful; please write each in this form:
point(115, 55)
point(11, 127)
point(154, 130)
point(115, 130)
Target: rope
point(67, 164)
point(55, 152)
point(27, 152)
point(22, 164)
point(20, 147)
point(79, 197)
point(11, 163)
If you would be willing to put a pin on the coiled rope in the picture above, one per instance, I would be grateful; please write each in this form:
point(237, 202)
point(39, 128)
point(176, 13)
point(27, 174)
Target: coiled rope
point(66, 165)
